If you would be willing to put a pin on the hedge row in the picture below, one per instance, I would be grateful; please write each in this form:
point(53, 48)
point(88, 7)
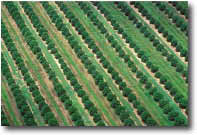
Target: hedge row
point(114, 74)
point(89, 105)
point(98, 78)
point(160, 47)
point(19, 98)
point(163, 78)
point(143, 78)
point(180, 22)
point(33, 44)
point(179, 7)
point(33, 88)
point(139, 74)
point(4, 119)
point(170, 38)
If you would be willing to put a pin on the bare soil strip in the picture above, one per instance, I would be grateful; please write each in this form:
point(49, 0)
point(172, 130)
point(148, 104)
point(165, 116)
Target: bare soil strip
point(79, 100)
point(82, 68)
point(12, 103)
point(43, 74)
point(128, 84)
point(86, 45)
point(23, 86)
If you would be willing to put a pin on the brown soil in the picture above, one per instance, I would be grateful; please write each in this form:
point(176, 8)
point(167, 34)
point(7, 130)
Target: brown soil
point(14, 107)
point(110, 75)
point(65, 113)
point(44, 76)
point(89, 78)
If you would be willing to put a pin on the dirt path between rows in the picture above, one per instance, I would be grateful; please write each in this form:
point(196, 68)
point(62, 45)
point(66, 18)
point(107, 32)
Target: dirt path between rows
point(6, 113)
point(152, 26)
point(13, 105)
point(123, 40)
point(179, 13)
point(91, 80)
point(56, 60)
point(132, 50)
point(24, 82)
point(44, 76)
point(147, 69)
point(171, 20)
point(135, 110)
point(66, 113)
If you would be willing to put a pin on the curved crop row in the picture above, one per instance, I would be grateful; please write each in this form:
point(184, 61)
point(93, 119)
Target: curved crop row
point(4, 119)
point(89, 105)
point(179, 7)
point(98, 78)
point(21, 103)
point(127, 92)
point(157, 96)
point(33, 44)
point(33, 88)
point(180, 22)
point(162, 30)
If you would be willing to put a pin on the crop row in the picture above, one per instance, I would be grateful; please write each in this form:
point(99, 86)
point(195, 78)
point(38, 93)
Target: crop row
point(143, 45)
point(4, 119)
point(147, 34)
point(127, 92)
point(21, 102)
point(33, 88)
point(87, 63)
point(180, 22)
point(33, 44)
point(170, 38)
point(96, 69)
point(154, 69)
point(139, 74)
point(70, 76)
point(180, 7)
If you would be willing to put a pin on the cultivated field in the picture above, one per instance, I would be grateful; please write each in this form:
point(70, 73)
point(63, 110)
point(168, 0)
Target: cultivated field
point(94, 64)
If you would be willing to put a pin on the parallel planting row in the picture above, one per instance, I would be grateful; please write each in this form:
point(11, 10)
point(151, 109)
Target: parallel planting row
point(94, 64)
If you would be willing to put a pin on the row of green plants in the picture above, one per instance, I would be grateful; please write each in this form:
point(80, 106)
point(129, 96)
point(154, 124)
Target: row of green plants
point(88, 65)
point(179, 21)
point(161, 29)
point(4, 119)
point(170, 57)
point(33, 44)
point(127, 92)
point(156, 43)
point(144, 30)
point(157, 96)
point(141, 54)
point(98, 78)
point(180, 7)
point(19, 98)
point(33, 88)
point(89, 105)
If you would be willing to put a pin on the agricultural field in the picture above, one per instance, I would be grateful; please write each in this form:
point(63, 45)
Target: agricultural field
point(94, 64)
